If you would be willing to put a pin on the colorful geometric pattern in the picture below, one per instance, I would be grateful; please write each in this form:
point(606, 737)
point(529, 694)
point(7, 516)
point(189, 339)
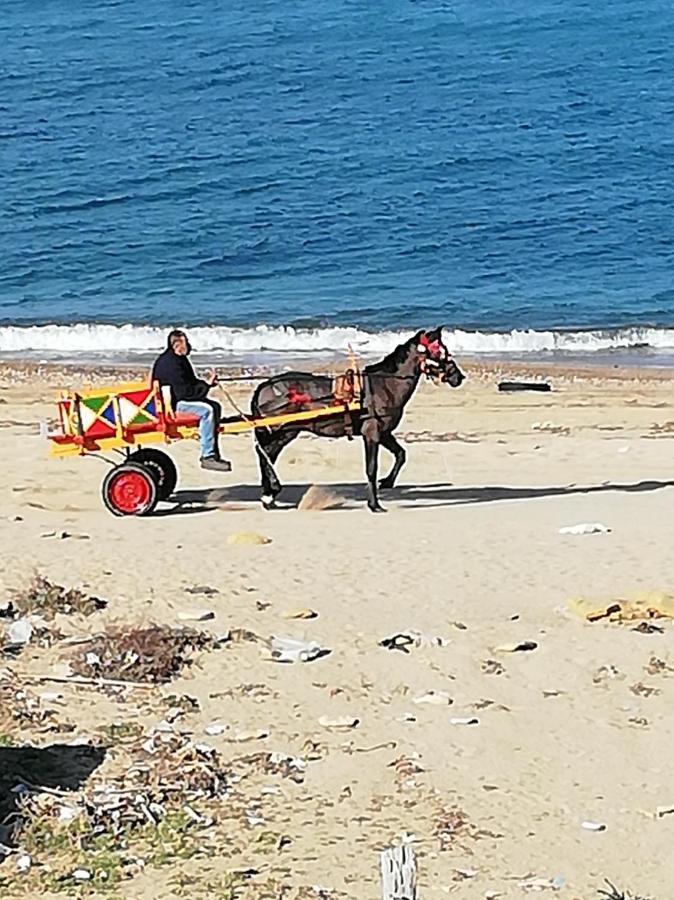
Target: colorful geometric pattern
point(97, 413)
point(97, 416)
point(138, 408)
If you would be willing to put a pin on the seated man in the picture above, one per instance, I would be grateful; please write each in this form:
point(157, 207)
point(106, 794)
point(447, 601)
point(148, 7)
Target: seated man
point(189, 394)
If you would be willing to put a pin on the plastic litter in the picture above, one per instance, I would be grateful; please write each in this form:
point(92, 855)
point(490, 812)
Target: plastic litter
point(82, 875)
point(205, 589)
point(196, 615)
point(466, 873)
point(242, 737)
point(19, 632)
point(67, 813)
point(435, 698)
point(341, 723)
point(23, 863)
point(214, 729)
point(291, 650)
point(589, 825)
point(403, 640)
point(542, 884)
point(585, 528)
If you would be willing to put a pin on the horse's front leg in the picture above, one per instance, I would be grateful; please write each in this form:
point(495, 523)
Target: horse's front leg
point(268, 446)
point(392, 445)
point(371, 454)
point(268, 478)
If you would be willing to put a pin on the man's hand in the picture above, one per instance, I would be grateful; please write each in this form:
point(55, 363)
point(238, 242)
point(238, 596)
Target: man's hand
point(211, 377)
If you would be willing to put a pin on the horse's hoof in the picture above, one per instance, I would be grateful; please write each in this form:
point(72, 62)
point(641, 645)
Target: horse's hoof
point(377, 509)
point(386, 484)
point(268, 502)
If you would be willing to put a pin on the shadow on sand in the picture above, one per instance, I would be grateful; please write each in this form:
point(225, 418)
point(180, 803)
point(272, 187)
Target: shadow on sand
point(421, 496)
point(57, 767)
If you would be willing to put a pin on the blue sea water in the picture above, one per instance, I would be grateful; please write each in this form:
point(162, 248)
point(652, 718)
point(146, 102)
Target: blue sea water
point(494, 166)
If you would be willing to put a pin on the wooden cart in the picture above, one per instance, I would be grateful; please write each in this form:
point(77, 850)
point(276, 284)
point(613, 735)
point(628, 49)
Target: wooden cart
point(132, 420)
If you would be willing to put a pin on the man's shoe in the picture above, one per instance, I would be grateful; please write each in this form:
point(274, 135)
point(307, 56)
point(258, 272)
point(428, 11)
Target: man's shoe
point(218, 465)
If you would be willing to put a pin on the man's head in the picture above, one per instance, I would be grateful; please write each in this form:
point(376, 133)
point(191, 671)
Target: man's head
point(178, 343)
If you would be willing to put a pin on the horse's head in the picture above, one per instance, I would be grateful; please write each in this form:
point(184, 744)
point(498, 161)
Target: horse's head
point(436, 360)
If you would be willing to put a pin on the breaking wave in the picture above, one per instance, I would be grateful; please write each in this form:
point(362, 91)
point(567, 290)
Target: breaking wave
point(123, 341)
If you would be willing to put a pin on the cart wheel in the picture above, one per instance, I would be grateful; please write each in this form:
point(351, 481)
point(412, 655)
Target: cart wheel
point(130, 490)
point(162, 468)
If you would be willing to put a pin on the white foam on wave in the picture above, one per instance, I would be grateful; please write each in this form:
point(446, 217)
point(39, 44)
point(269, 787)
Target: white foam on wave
point(122, 341)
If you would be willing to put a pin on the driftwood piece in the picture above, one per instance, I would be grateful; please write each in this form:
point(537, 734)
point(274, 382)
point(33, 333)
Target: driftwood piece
point(398, 873)
point(513, 386)
point(79, 681)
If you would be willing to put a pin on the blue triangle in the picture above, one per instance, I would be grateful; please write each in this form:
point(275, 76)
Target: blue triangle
point(108, 414)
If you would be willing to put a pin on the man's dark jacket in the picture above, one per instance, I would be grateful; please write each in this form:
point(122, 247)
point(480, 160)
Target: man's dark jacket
point(177, 372)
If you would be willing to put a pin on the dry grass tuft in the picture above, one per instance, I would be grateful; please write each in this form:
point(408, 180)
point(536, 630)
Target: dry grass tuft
point(46, 599)
point(153, 655)
point(449, 823)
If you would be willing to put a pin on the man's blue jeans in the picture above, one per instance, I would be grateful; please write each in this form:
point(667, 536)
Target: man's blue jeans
point(209, 422)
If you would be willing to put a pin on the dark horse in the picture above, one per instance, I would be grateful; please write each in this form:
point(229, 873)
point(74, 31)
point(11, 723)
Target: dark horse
point(386, 388)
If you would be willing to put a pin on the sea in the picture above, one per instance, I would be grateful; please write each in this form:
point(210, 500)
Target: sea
point(301, 177)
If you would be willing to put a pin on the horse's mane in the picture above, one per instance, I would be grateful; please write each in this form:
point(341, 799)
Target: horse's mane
point(393, 361)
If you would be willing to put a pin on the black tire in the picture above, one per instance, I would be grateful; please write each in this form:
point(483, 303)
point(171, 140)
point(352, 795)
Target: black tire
point(162, 467)
point(130, 490)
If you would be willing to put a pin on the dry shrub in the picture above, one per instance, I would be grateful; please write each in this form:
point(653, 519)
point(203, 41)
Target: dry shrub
point(266, 764)
point(614, 894)
point(154, 654)
point(317, 498)
point(45, 599)
point(20, 708)
point(449, 823)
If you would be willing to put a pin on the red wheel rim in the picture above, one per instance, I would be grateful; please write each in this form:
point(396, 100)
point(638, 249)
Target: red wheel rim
point(130, 492)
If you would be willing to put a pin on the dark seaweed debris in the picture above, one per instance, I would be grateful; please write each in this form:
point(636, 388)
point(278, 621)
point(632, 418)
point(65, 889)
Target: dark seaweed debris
point(46, 599)
point(154, 654)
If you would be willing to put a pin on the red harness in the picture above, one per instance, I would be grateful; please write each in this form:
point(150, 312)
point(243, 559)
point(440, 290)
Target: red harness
point(433, 352)
point(297, 397)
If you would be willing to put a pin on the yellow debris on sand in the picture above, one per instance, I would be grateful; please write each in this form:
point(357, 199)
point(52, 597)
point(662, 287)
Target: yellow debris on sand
point(648, 606)
point(248, 537)
point(304, 613)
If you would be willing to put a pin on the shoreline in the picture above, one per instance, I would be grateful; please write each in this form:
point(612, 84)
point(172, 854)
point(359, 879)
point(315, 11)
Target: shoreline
point(641, 345)
point(66, 375)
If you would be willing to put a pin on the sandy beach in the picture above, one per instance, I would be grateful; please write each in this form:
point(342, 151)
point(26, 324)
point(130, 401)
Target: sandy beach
point(576, 730)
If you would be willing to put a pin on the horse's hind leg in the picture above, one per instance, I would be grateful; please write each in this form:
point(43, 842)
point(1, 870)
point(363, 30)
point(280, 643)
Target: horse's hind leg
point(392, 445)
point(371, 454)
point(268, 447)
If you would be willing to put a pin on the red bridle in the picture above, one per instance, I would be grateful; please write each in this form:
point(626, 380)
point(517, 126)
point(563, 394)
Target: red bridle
point(433, 353)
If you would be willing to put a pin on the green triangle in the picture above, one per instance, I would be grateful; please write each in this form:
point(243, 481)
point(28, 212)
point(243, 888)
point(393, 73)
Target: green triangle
point(95, 403)
point(140, 419)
